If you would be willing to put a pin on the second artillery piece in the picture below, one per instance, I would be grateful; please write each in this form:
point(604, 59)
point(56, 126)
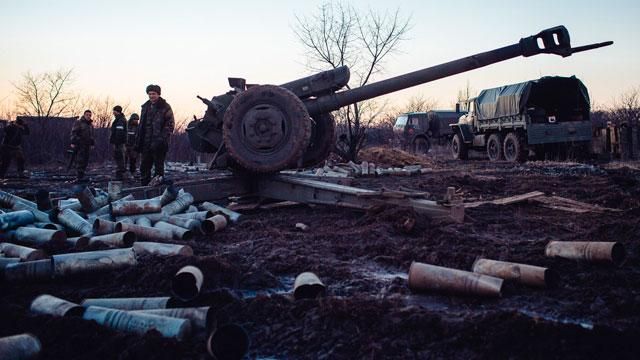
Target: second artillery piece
point(268, 128)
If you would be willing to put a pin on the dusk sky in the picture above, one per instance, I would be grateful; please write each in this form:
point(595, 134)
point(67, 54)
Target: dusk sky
point(190, 48)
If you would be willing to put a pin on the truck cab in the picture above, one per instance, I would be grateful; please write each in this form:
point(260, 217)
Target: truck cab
point(417, 131)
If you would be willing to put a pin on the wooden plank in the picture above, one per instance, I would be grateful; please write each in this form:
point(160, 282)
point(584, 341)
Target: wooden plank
point(506, 201)
point(566, 204)
point(517, 198)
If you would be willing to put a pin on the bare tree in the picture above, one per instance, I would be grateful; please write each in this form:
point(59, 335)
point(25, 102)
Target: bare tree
point(626, 108)
point(419, 103)
point(46, 95)
point(465, 94)
point(102, 109)
point(626, 113)
point(341, 35)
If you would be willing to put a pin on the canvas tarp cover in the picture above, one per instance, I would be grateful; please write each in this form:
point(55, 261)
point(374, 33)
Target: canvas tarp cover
point(549, 91)
point(502, 101)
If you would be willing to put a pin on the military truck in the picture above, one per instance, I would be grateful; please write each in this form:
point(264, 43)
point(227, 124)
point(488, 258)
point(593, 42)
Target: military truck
point(417, 131)
point(547, 116)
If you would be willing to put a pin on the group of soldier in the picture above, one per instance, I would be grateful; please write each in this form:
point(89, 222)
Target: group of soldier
point(145, 137)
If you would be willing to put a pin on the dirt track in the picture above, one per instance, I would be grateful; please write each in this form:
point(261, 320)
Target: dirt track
point(364, 258)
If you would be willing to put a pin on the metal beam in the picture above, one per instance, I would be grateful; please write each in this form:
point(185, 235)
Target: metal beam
point(212, 189)
point(319, 192)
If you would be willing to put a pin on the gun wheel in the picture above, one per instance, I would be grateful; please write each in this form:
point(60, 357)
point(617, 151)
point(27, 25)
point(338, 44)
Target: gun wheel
point(323, 138)
point(266, 129)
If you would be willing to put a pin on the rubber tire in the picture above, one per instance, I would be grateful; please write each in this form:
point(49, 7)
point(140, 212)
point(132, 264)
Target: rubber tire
point(296, 138)
point(494, 148)
point(514, 143)
point(459, 148)
point(323, 138)
point(416, 143)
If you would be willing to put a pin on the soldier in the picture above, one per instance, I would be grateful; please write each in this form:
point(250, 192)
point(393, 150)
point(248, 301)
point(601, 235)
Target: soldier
point(12, 147)
point(118, 139)
point(152, 140)
point(82, 142)
point(132, 154)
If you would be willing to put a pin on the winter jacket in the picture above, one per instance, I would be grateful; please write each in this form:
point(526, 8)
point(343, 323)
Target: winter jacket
point(132, 131)
point(82, 132)
point(118, 130)
point(13, 134)
point(156, 126)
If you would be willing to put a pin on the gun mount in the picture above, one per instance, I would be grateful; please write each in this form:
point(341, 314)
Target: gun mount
point(268, 128)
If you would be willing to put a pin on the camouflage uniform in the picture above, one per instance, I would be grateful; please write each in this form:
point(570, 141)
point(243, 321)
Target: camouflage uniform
point(118, 139)
point(152, 140)
point(82, 138)
point(12, 147)
point(132, 154)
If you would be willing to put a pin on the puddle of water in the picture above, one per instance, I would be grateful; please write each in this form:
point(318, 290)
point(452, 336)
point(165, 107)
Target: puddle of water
point(433, 303)
point(532, 314)
point(286, 287)
point(386, 275)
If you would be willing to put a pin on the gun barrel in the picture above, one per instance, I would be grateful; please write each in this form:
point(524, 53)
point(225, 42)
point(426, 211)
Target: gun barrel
point(550, 41)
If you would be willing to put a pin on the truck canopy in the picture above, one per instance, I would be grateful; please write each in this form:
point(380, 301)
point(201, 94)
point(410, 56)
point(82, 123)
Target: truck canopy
point(554, 94)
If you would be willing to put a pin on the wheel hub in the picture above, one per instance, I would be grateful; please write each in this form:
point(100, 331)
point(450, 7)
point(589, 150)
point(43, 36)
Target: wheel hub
point(263, 127)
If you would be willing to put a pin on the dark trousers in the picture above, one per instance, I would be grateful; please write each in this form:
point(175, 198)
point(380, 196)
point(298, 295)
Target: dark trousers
point(82, 159)
point(118, 156)
point(7, 153)
point(151, 159)
point(132, 159)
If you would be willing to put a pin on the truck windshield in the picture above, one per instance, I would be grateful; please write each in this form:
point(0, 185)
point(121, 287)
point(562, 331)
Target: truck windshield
point(401, 121)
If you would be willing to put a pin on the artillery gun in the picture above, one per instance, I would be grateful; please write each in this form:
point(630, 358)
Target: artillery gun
point(268, 128)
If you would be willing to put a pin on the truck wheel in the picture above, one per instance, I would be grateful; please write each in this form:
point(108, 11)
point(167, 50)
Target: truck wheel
point(494, 147)
point(421, 145)
point(514, 149)
point(323, 138)
point(459, 148)
point(266, 129)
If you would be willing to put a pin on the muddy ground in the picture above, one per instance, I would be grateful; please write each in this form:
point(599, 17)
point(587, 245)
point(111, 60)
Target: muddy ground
point(363, 258)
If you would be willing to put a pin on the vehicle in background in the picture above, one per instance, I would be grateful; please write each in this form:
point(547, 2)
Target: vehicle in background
point(417, 131)
point(549, 117)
